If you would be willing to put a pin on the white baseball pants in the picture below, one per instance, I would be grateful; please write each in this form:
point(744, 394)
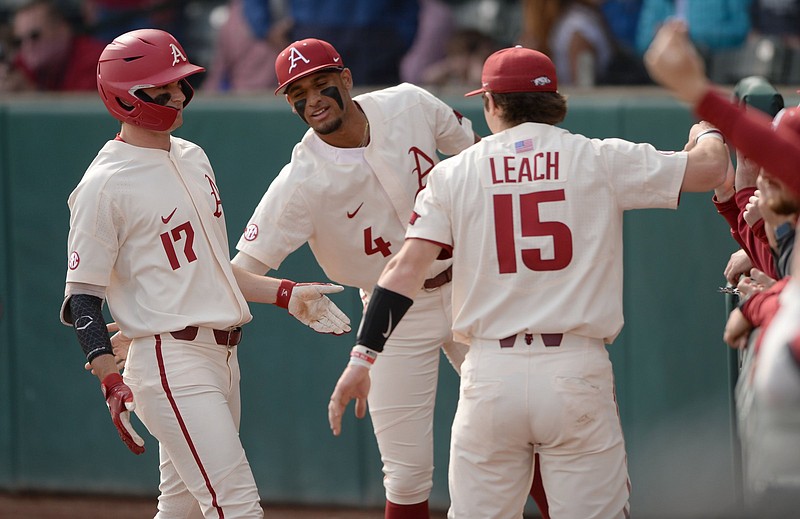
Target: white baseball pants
point(187, 395)
point(557, 401)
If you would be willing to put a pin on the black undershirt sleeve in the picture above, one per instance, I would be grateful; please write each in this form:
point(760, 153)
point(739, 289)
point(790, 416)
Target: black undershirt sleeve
point(86, 314)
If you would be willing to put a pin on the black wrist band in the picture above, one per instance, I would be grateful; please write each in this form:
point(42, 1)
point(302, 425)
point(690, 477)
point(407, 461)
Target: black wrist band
point(384, 311)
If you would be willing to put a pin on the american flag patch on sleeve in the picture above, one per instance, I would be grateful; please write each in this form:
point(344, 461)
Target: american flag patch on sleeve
point(523, 146)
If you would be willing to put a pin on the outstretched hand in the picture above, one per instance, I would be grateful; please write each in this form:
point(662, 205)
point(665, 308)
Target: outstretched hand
point(309, 305)
point(673, 62)
point(353, 384)
point(119, 399)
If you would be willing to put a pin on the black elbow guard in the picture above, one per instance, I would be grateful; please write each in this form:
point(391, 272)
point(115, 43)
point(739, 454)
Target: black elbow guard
point(384, 311)
point(86, 312)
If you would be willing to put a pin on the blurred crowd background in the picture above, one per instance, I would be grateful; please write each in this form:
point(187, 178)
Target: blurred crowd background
point(53, 45)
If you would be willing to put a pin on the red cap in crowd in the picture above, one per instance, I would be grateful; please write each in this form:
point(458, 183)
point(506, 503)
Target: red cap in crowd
point(517, 69)
point(305, 57)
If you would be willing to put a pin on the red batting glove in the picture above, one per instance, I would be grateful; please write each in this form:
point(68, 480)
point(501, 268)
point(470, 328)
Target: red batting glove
point(119, 399)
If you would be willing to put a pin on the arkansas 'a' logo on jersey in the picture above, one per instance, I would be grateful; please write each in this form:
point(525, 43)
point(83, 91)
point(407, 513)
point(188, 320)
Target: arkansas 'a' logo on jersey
point(215, 194)
point(423, 165)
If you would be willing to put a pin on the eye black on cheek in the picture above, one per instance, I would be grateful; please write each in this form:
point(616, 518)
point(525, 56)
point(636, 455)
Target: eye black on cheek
point(300, 108)
point(333, 93)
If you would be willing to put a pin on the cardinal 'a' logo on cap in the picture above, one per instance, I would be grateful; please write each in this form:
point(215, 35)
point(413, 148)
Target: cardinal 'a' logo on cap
point(294, 57)
point(177, 55)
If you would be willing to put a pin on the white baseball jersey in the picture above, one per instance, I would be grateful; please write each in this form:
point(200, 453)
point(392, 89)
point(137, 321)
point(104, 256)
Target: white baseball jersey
point(535, 214)
point(161, 252)
point(353, 205)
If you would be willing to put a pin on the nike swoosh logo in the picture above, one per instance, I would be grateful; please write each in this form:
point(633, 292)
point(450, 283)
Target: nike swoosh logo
point(350, 215)
point(388, 328)
point(168, 218)
point(335, 60)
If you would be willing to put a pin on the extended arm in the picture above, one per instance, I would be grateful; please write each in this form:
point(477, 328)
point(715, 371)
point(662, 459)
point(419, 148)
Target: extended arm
point(708, 159)
point(306, 302)
point(401, 279)
point(674, 63)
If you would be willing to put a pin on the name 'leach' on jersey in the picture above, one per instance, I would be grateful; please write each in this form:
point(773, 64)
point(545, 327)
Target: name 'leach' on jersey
point(522, 163)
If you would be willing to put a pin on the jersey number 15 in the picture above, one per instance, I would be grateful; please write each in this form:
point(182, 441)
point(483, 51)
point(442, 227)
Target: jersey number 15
point(531, 226)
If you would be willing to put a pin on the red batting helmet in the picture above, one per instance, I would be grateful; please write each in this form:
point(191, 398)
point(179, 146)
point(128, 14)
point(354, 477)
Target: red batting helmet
point(305, 57)
point(142, 59)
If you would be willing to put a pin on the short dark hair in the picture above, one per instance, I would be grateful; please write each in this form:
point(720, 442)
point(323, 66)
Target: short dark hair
point(531, 107)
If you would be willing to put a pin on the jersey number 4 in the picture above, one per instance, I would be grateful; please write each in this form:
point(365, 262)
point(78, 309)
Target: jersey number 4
point(377, 245)
point(182, 232)
point(531, 225)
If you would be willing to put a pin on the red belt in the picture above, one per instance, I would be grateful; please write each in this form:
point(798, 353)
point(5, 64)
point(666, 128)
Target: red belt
point(442, 278)
point(551, 340)
point(223, 337)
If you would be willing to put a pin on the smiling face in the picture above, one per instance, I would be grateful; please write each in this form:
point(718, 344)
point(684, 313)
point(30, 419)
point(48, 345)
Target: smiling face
point(322, 100)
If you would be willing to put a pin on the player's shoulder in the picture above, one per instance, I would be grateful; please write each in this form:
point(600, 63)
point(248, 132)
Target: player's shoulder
point(310, 159)
point(396, 91)
point(187, 149)
point(394, 100)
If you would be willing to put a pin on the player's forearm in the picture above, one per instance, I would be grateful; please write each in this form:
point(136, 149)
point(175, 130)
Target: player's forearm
point(256, 288)
point(400, 281)
point(405, 273)
point(706, 166)
point(104, 365)
point(85, 313)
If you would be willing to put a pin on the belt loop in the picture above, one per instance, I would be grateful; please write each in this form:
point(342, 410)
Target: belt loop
point(552, 340)
point(508, 342)
point(440, 279)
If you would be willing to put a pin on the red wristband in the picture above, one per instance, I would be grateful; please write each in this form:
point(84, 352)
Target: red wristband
point(284, 293)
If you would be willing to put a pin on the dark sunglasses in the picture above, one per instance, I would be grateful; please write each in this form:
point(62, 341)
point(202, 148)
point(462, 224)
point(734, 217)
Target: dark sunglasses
point(32, 36)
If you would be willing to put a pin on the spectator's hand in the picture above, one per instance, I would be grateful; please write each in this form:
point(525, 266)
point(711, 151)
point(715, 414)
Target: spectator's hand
point(278, 34)
point(737, 330)
point(673, 62)
point(752, 212)
point(12, 80)
point(746, 171)
point(738, 265)
point(769, 193)
point(756, 282)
